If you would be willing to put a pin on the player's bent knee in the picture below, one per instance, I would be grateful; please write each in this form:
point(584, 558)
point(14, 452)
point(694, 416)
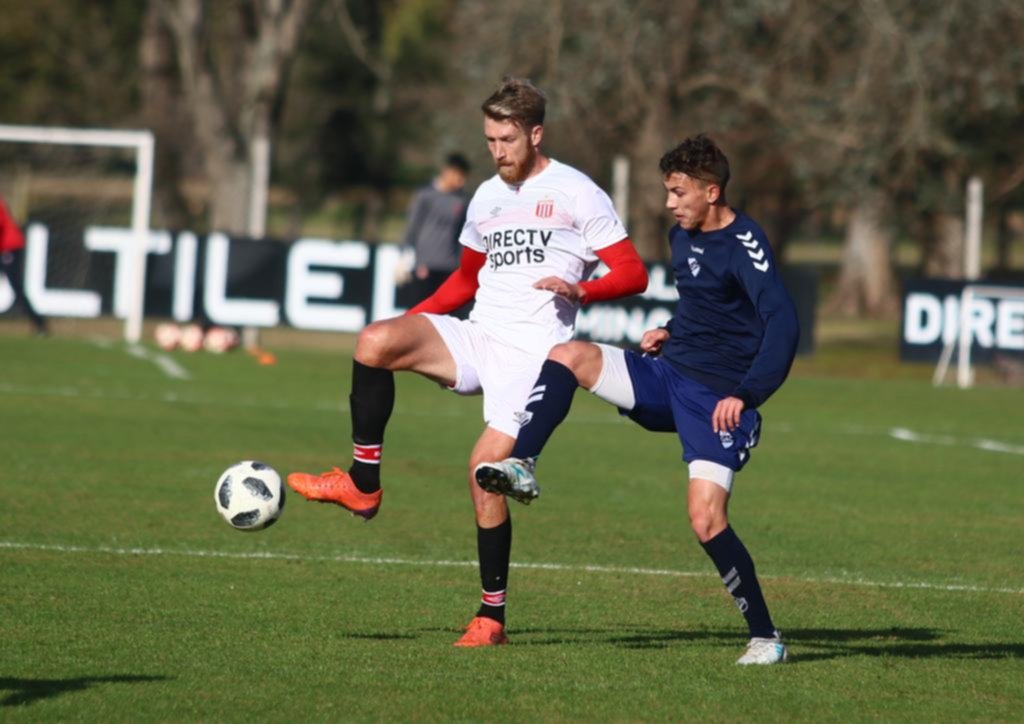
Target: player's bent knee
point(373, 346)
point(706, 523)
point(565, 353)
point(582, 358)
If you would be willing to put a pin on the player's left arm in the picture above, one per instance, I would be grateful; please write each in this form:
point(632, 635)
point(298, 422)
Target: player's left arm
point(626, 275)
point(601, 230)
point(755, 268)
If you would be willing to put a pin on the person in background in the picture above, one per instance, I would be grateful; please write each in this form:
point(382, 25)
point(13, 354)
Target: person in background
point(436, 216)
point(12, 264)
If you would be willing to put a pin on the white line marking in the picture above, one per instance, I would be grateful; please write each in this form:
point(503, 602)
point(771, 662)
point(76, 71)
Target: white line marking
point(165, 363)
point(382, 561)
point(902, 433)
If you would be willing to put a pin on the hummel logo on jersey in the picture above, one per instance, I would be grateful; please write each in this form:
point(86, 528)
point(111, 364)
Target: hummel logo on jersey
point(495, 211)
point(694, 266)
point(754, 251)
point(696, 249)
point(545, 208)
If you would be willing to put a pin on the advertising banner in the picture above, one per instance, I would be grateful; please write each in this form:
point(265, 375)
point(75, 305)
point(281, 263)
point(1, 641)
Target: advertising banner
point(309, 284)
point(932, 313)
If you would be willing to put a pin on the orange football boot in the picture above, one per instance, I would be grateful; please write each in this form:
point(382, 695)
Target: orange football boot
point(483, 631)
point(336, 487)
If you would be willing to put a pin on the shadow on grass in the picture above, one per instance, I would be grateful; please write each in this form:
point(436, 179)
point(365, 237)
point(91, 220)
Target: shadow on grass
point(805, 645)
point(379, 636)
point(909, 643)
point(29, 691)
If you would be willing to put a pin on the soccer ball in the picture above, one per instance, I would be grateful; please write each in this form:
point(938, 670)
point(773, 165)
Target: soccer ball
point(249, 495)
point(167, 335)
point(191, 338)
point(220, 340)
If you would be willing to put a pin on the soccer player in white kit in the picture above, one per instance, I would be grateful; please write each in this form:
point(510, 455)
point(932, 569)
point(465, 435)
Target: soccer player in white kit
point(534, 232)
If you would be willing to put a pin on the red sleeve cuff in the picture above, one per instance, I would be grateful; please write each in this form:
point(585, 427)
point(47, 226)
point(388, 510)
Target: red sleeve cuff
point(627, 274)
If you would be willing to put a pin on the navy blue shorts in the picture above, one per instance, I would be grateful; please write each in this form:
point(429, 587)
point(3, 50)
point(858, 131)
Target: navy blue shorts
point(669, 401)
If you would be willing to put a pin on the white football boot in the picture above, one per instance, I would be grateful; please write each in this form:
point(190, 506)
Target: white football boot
point(511, 477)
point(765, 651)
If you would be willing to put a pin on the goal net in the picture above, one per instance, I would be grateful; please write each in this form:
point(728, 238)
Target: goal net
point(82, 197)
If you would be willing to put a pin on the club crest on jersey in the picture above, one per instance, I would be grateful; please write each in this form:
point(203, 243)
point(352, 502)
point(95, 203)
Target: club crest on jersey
point(545, 209)
point(694, 265)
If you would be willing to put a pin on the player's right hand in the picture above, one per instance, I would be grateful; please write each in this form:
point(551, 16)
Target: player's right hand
point(652, 340)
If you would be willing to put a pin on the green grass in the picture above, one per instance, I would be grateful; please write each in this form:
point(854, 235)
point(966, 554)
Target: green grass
point(893, 567)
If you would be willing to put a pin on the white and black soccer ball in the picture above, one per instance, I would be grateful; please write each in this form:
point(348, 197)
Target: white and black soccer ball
point(249, 495)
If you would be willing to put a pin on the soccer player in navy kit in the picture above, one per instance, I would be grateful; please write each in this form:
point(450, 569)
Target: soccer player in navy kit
point(729, 346)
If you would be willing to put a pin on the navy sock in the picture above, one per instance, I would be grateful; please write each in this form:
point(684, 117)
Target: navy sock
point(494, 548)
point(736, 568)
point(547, 406)
point(370, 404)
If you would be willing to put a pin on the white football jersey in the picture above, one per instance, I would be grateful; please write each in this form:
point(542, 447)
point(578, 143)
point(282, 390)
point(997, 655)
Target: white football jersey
point(550, 225)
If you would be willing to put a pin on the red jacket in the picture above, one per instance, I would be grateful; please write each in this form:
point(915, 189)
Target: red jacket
point(11, 238)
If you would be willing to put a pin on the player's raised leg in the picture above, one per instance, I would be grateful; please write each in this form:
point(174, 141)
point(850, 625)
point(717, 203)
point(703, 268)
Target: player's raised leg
point(494, 546)
point(405, 343)
point(567, 367)
point(707, 503)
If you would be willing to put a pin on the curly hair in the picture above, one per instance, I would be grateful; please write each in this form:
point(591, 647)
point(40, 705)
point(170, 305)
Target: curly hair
point(699, 158)
point(517, 100)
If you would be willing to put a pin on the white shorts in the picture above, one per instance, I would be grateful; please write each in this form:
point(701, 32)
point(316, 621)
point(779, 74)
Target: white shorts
point(504, 374)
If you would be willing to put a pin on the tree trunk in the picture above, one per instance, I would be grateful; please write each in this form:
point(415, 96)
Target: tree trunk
point(162, 113)
point(1004, 238)
point(944, 248)
point(648, 220)
point(226, 127)
point(229, 193)
point(866, 283)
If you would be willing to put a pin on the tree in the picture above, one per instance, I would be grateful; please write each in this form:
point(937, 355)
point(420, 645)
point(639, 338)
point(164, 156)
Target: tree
point(233, 61)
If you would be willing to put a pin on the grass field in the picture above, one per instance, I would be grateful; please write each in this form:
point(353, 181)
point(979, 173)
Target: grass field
point(886, 518)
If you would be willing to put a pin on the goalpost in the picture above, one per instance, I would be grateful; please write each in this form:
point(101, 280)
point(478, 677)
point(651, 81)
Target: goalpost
point(965, 328)
point(140, 144)
point(965, 332)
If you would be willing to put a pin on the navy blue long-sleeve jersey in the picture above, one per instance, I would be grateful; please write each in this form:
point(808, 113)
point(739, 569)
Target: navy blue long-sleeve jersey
point(735, 328)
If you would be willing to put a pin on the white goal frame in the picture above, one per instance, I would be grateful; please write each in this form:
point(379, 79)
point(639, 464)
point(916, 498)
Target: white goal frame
point(142, 194)
point(963, 340)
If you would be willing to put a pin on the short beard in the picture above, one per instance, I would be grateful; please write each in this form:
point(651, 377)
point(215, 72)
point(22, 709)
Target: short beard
point(518, 173)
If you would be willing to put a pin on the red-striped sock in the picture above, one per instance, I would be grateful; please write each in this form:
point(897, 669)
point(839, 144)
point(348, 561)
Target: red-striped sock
point(370, 404)
point(365, 470)
point(494, 546)
point(492, 605)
